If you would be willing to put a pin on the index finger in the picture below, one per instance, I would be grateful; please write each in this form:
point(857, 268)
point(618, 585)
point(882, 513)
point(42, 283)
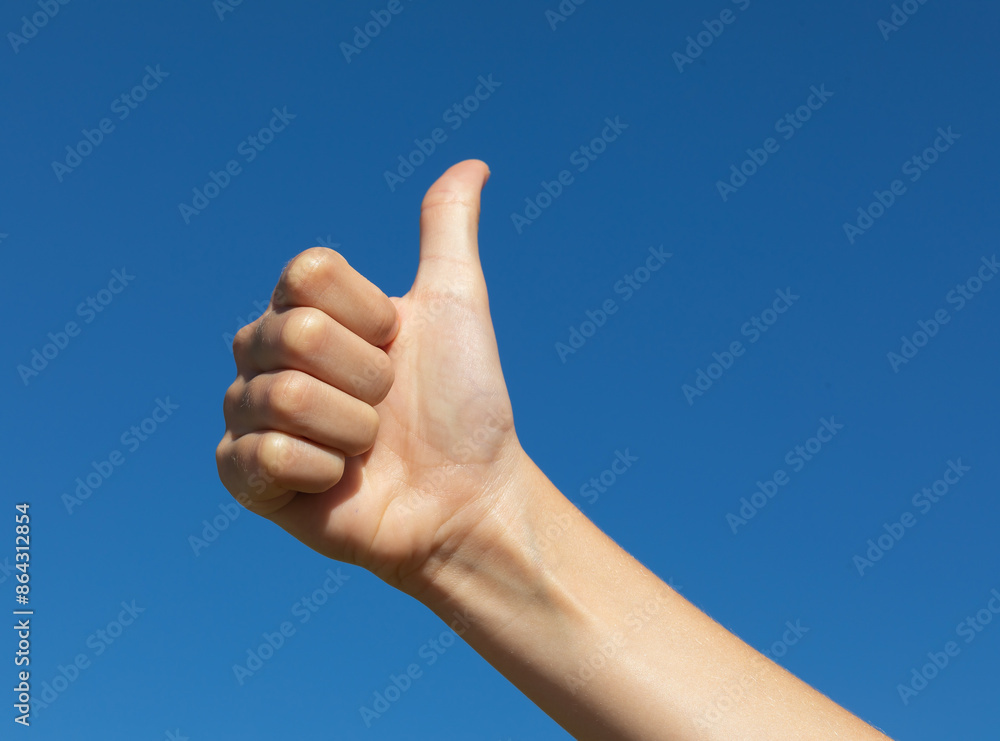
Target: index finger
point(322, 278)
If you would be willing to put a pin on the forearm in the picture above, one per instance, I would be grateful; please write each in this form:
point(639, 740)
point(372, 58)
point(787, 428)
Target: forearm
point(600, 643)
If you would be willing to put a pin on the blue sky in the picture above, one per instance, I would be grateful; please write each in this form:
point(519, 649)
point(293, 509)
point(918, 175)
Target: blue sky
point(293, 134)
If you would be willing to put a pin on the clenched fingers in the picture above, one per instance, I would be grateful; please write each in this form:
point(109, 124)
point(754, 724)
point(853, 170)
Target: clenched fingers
point(322, 279)
point(310, 341)
point(296, 403)
point(264, 470)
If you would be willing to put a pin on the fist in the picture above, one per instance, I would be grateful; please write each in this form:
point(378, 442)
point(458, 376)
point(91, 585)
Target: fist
point(374, 429)
point(310, 373)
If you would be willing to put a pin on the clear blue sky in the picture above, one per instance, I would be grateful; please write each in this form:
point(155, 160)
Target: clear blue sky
point(150, 350)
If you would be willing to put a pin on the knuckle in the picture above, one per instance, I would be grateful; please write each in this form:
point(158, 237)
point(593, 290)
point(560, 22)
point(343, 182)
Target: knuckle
point(232, 400)
point(308, 272)
point(275, 457)
point(288, 396)
point(242, 340)
point(303, 333)
point(226, 465)
point(222, 458)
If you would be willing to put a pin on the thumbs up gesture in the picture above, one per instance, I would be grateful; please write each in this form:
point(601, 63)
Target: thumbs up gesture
point(377, 430)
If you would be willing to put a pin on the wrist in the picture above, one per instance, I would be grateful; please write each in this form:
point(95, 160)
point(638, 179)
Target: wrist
point(486, 535)
point(513, 576)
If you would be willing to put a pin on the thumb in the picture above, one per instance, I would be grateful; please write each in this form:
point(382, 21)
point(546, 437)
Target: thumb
point(449, 226)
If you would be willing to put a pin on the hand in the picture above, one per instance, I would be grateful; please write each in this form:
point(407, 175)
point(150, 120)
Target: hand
point(377, 431)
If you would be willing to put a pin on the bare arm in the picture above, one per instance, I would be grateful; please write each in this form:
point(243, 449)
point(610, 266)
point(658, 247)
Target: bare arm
point(601, 644)
point(379, 432)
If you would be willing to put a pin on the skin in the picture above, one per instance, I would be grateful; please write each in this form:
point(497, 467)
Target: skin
point(379, 432)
